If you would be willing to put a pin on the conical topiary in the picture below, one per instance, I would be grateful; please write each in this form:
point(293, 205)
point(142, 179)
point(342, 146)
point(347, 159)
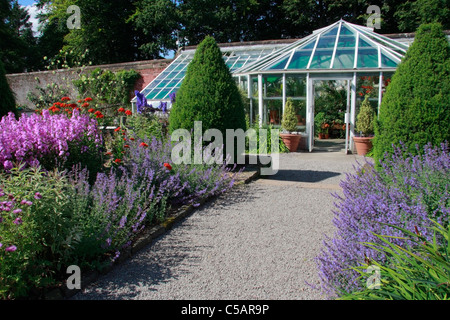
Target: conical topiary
point(289, 121)
point(208, 93)
point(365, 119)
point(415, 108)
point(7, 101)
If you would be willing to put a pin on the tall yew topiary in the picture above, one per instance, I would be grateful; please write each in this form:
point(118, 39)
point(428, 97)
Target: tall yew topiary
point(416, 106)
point(7, 100)
point(208, 93)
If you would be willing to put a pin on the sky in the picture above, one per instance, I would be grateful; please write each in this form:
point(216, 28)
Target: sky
point(30, 5)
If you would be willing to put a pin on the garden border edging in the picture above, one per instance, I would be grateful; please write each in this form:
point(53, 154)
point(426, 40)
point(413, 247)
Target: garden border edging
point(61, 292)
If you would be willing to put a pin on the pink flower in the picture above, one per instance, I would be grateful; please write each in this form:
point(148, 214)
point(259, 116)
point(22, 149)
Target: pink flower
point(11, 248)
point(37, 196)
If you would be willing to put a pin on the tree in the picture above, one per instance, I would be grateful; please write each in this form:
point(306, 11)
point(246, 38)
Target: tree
point(158, 21)
point(17, 42)
point(208, 93)
point(411, 14)
point(7, 100)
point(415, 108)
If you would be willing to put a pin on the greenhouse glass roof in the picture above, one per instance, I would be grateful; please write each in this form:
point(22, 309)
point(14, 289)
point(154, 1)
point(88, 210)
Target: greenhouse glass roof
point(170, 79)
point(340, 46)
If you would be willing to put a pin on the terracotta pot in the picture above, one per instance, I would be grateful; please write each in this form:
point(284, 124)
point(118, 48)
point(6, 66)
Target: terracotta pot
point(327, 135)
point(363, 145)
point(291, 141)
point(321, 135)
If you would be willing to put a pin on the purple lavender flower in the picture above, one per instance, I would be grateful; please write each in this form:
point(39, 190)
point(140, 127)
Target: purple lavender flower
point(11, 248)
point(407, 192)
point(18, 221)
point(172, 97)
point(17, 211)
point(8, 165)
point(37, 196)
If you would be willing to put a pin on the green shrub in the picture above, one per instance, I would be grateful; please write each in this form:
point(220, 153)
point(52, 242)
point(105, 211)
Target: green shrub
point(208, 94)
point(289, 121)
point(365, 119)
point(415, 108)
point(145, 126)
point(36, 224)
point(7, 100)
point(420, 271)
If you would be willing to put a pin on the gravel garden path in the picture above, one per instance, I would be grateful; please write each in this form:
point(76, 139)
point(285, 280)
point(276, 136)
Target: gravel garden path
point(257, 241)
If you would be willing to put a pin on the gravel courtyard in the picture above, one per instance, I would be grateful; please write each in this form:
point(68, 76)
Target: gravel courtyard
point(258, 241)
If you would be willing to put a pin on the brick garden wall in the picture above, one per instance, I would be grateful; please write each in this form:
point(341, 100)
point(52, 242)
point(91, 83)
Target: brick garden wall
point(22, 83)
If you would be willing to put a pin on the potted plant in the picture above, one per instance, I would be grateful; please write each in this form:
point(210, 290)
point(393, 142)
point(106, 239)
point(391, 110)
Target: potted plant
point(364, 125)
point(322, 126)
point(289, 124)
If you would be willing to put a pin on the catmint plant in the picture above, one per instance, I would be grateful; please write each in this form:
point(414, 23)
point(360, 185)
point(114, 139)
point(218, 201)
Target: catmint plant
point(406, 192)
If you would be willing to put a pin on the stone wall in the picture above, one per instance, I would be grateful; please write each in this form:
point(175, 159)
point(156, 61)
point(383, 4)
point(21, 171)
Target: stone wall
point(23, 83)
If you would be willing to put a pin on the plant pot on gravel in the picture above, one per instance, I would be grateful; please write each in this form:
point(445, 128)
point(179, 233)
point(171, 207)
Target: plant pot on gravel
point(289, 124)
point(364, 125)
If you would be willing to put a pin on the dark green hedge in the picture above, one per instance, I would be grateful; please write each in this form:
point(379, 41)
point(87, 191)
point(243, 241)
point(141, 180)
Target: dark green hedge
point(7, 100)
point(208, 94)
point(415, 108)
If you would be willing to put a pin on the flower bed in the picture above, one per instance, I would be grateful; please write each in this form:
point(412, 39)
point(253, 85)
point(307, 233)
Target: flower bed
point(50, 219)
point(407, 192)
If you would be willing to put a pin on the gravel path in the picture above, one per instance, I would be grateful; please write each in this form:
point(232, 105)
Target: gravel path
point(258, 241)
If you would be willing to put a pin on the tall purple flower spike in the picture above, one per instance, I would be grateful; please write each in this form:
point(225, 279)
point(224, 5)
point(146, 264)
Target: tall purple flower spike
point(163, 107)
point(141, 101)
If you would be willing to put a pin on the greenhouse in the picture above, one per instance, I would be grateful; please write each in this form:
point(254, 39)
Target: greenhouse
point(344, 62)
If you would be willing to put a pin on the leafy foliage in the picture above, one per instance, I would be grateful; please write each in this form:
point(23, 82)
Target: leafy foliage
point(289, 122)
point(208, 94)
point(366, 118)
point(417, 272)
point(406, 192)
point(7, 100)
point(415, 107)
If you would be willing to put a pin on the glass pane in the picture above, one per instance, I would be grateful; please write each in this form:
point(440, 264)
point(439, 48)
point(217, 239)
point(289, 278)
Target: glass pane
point(332, 32)
point(363, 43)
point(296, 86)
point(300, 59)
point(346, 41)
point(310, 45)
point(344, 59)
point(326, 42)
point(387, 62)
point(273, 86)
point(367, 58)
point(345, 31)
point(280, 65)
point(321, 59)
point(274, 111)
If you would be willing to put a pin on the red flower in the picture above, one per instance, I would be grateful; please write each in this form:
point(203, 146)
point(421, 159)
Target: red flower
point(100, 116)
point(109, 153)
point(97, 112)
point(128, 113)
point(85, 105)
point(117, 161)
point(80, 101)
point(126, 146)
point(91, 110)
point(143, 144)
point(65, 99)
point(73, 105)
point(117, 129)
point(132, 139)
point(168, 166)
point(121, 110)
point(88, 99)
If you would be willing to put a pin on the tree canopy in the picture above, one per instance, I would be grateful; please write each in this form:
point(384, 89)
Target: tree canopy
point(131, 30)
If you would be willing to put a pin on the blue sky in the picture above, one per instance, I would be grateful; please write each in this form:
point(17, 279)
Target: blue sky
point(26, 2)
